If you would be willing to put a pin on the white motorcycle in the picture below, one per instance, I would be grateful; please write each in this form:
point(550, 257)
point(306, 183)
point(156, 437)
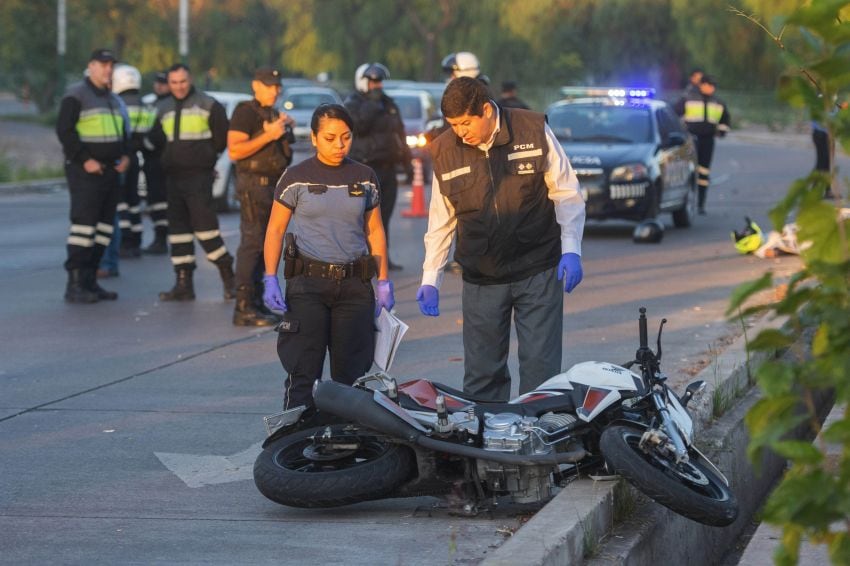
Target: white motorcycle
point(379, 439)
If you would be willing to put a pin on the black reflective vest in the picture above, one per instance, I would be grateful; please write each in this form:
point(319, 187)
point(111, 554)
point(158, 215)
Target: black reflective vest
point(506, 225)
point(90, 124)
point(195, 130)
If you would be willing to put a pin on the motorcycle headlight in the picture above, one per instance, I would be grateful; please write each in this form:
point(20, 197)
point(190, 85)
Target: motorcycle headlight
point(630, 172)
point(416, 140)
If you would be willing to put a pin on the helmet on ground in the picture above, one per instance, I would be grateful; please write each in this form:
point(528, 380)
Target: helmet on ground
point(125, 77)
point(461, 64)
point(749, 239)
point(648, 232)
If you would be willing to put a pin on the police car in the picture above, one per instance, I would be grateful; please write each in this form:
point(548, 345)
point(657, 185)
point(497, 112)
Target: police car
point(632, 154)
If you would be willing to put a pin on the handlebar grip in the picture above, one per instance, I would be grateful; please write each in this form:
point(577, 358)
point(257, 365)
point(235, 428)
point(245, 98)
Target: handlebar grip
point(644, 343)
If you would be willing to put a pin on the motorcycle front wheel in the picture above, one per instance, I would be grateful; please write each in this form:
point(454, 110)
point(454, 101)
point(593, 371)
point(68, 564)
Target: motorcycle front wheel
point(691, 489)
point(297, 471)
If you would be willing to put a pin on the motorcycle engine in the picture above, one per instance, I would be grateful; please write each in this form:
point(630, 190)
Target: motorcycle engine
point(515, 434)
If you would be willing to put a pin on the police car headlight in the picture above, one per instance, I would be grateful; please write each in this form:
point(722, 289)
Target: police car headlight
point(630, 172)
point(417, 140)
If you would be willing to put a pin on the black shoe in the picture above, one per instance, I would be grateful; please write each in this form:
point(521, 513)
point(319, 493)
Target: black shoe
point(92, 285)
point(129, 252)
point(157, 247)
point(394, 266)
point(228, 278)
point(246, 313)
point(183, 289)
point(77, 291)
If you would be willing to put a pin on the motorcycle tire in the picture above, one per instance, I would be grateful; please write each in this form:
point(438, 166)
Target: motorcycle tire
point(290, 470)
point(692, 489)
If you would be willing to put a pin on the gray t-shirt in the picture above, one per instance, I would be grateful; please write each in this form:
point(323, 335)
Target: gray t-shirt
point(329, 206)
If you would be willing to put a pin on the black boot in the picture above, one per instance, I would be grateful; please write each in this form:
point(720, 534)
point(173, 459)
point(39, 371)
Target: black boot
point(228, 278)
point(128, 249)
point(92, 285)
point(245, 313)
point(76, 290)
point(701, 191)
point(183, 289)
point(159, 246)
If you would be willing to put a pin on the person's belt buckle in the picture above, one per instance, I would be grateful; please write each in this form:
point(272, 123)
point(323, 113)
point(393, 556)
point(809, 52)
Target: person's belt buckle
point(336, 272)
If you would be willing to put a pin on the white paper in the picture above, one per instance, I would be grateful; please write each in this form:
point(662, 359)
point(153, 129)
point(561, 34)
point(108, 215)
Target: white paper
point(390, 331)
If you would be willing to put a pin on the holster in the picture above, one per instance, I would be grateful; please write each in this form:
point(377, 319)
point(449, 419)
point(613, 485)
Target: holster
point(292, 266)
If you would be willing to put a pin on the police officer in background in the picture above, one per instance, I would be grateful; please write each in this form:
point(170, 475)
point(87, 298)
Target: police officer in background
point(379, 138)
point(90, 127)
point(154, 175)
point(258, 141)
point(126, 83)
point(192, 127)
point(706, 116)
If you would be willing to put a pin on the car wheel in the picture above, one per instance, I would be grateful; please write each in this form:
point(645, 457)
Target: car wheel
point(653, 198)
point(684, 217)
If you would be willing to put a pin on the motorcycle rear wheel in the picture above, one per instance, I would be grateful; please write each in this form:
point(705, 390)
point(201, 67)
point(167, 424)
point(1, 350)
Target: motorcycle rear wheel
point(295, 471)
point(690, 489)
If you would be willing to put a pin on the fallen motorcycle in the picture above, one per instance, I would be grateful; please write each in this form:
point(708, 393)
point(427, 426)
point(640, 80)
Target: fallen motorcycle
point(379, 439)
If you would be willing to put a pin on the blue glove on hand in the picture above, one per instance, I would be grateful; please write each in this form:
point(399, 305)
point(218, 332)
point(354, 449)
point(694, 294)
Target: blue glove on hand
point(384, 296)
point(569, 269)
point(272, 295)
point(428, 298)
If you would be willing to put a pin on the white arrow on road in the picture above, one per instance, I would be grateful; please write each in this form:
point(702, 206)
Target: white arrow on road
point(200, 470)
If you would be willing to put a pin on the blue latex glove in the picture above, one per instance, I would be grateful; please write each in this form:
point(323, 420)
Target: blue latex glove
point(384, 296)
point(272, 295)
point(428, 298)
point(569, 271)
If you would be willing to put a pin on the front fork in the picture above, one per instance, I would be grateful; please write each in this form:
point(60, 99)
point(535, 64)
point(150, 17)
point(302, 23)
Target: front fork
point(670, 428)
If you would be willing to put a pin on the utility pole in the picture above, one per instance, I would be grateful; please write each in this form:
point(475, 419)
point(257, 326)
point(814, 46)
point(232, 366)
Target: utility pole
point(183, 31)
point(60, 47)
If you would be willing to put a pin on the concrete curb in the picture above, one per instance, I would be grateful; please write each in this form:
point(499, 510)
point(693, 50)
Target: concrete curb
point(582, 513)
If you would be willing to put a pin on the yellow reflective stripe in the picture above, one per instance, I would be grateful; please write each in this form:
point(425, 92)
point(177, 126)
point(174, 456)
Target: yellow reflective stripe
point(195, 124)
point(99, 125)
point(167, 122)
point(694, 111)
point(715, 112)
point(141, 118)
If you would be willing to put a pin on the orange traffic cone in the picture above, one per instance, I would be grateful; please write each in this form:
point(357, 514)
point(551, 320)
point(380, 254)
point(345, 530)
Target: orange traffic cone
point(417, 202)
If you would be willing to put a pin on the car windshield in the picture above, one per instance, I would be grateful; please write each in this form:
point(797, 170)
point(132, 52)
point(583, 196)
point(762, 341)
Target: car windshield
point(410, 107)
point(601, 123)
point(306, 100)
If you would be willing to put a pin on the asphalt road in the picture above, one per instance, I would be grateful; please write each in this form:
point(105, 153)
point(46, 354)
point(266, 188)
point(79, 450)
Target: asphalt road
point(128, 429)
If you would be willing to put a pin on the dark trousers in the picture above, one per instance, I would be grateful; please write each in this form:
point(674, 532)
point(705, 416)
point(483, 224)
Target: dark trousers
point(129, 210)
point(93, 202)
point(325, 315)
point(256, 196)
point(537, 305)
point(155, 180)
point(389, 192)
point(191, 215)
point(705, 151)
point(821, 141)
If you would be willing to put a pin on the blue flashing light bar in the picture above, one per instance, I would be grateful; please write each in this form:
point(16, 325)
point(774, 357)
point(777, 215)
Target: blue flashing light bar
point(611, 92)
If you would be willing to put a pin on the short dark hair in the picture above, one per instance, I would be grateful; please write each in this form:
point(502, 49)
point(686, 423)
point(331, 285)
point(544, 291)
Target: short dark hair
point(508, 86)
point(178, 67)
point(464, 95)
point(333, 112)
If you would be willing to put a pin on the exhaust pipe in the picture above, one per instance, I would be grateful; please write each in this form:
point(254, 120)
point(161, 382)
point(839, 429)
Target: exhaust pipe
point(358, 406)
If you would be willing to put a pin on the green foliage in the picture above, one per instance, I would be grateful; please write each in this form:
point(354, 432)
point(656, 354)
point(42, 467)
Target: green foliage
point(813, 500)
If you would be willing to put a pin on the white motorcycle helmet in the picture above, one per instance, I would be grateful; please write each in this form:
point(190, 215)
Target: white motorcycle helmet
point(461, 64)
point(125, 77)
point(361, 83)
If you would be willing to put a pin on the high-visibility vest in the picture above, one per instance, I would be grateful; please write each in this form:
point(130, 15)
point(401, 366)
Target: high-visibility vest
point(100, 118)
point(194, 117)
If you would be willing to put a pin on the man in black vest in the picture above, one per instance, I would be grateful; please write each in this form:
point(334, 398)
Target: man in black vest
point(504, 188)
point(258, 141)
point(91, 129)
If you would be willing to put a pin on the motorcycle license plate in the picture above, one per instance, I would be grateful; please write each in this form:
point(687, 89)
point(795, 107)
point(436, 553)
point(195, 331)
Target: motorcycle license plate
point(280, 420)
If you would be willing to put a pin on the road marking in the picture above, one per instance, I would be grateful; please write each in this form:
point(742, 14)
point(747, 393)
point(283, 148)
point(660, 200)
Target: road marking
point(200, 470)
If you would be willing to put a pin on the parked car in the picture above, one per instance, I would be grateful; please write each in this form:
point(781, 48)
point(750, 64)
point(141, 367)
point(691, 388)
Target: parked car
point(300, 102)
point(633, 155)
point(224, 185)
point(418, 111)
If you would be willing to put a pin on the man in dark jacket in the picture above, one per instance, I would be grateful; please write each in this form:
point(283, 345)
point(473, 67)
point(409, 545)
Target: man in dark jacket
point(192, 126)
point(379, 139)
point(505, 191)
point(90, 127)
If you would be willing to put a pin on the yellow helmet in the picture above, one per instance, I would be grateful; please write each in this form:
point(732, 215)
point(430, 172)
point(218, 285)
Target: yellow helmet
point(749, 239)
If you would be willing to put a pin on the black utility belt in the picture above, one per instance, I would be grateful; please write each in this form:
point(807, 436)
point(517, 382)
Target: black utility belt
point(363, 267)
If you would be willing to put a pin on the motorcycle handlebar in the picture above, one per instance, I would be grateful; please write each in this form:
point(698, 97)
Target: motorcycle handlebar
point(644, 342)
